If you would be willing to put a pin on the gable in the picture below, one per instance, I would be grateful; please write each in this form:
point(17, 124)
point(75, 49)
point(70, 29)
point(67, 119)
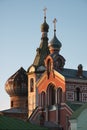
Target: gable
point(55, 78)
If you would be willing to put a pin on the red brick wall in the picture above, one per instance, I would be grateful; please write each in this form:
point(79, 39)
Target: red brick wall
point(52, 116)
point(19, 101)
point(63, 118)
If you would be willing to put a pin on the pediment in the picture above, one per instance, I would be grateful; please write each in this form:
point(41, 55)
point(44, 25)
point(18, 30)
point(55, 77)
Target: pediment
point(55, 78)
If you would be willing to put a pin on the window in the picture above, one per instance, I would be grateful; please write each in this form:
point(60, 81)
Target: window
point(59, 95)
point(51, 95)
point(11, 103)
point(77, 94)
point(48, 67)
point(43, 99)
point(31, 85)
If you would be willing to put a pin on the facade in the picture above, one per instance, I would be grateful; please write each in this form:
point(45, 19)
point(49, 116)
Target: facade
point(57, 91)
point(48, 92)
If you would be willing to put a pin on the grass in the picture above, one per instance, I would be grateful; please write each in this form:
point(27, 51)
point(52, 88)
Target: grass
point(8, 123)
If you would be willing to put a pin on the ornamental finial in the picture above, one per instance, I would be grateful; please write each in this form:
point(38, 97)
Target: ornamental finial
point(45, 9)
point(54, 21)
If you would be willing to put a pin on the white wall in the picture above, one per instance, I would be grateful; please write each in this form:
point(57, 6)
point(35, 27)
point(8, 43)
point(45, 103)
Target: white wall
point(80, 123)
point(82, 120)
point(73, 124)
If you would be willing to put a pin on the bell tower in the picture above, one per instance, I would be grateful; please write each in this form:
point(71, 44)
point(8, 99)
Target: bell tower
point(38, 67)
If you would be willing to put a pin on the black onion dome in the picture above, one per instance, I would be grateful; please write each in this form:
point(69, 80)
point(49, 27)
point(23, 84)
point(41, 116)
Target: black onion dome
point(17, 84)
point(55, 43)
point(44, 26)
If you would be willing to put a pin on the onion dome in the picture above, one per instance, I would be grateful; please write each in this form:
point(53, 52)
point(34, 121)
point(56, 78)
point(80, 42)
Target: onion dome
point(54, 44)
point(17, 84)
point(44, 26)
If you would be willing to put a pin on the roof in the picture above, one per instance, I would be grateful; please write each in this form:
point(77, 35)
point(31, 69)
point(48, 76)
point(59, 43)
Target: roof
point(14, 110)
point(76, 114)
point(42, 52)
point(17, 84)
point(55, 43)
point(44, 27)
point(74, 105)
point(8, 123)
point(72, 73)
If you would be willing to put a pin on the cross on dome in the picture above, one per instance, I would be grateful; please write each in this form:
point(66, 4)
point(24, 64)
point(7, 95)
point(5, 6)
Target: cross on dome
point(55, 21)
point(44, 26)
point(45, 9)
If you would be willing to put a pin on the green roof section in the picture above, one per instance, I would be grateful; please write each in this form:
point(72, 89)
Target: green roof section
point(76, 114)
point(8, 123)
point(74, 105)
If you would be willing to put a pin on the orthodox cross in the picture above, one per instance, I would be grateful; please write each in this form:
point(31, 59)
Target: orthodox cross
point(54, 21)
point(45, 9)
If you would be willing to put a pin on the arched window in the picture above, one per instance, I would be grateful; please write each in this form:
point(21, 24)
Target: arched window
point(48, 67)
point(11, 103)
point(77, 94)
point(59, 95)
point(43, 99)
point(51, 95)
point(31, 85)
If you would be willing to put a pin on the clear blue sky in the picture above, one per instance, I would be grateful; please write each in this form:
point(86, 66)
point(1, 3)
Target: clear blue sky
point(20, 34)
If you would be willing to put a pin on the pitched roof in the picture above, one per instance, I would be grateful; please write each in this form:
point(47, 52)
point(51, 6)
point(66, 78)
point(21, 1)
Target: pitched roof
point(76, 114)
point(9, 123)
point(72, 73)
point(42, 52)
point(14, 110)
point(74, 106)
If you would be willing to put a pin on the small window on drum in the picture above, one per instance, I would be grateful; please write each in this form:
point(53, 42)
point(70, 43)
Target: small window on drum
point(31, 85)
point(11, 103)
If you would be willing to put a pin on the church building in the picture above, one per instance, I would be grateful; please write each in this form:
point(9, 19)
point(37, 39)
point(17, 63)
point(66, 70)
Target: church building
point(54, 92)
point(47, 93)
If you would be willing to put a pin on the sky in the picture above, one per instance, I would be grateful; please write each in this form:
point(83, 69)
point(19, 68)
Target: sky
point(20, 34)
